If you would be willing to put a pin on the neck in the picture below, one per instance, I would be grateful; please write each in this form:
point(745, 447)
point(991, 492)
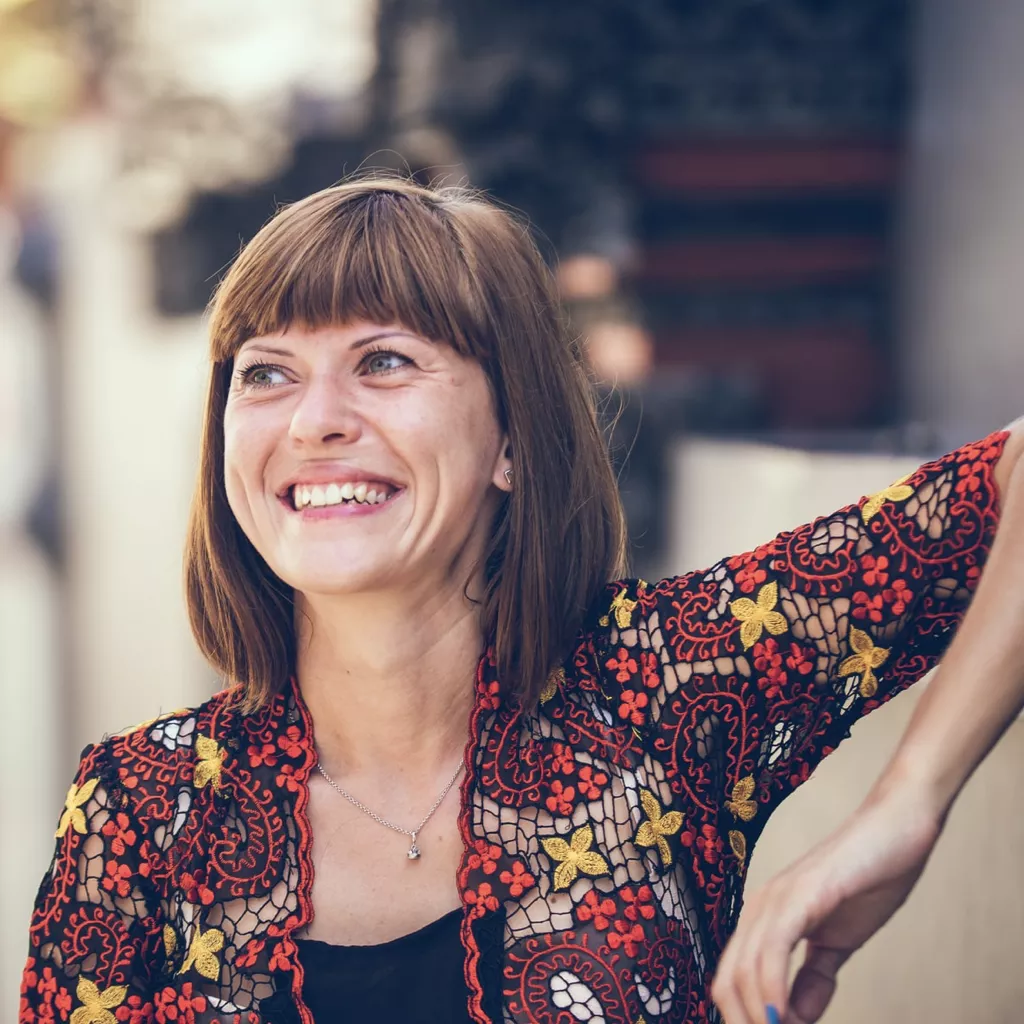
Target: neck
point(388, 679)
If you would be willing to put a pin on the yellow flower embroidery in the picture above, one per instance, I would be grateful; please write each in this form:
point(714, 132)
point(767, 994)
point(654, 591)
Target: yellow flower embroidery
point(622, 608)
point(74, 816)
point(760, 616)
point(551, 686)
point(96, 1005)
point(898, 491)
point(741, 805)
point(653, 831)
point(202, 953)
point(738, 843)
point(170, 941)
point(866, 658)
point(574, 856)
point(211, 758)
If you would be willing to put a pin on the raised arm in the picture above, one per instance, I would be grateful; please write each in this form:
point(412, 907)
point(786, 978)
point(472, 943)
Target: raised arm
point(846, 888)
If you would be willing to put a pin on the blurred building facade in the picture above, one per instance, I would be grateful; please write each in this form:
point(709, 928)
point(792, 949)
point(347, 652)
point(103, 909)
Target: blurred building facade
point(815, 211)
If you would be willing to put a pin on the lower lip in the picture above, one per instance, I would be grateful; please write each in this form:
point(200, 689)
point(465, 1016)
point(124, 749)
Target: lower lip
point(339, 511)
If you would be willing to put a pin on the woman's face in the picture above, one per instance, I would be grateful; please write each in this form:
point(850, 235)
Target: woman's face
point(362, 458)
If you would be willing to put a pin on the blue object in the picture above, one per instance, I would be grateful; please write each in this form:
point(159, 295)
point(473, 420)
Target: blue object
point(773, 1014)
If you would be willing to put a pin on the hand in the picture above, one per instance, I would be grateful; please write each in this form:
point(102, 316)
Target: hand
point(836, 897)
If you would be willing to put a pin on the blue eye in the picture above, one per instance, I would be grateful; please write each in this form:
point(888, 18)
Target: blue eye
point(385, 361)
point(260, 375)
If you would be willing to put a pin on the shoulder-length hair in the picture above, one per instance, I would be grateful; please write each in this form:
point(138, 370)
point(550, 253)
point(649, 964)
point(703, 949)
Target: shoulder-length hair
point(454, 268)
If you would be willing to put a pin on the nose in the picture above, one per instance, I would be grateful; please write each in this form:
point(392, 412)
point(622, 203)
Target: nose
point(324, 415)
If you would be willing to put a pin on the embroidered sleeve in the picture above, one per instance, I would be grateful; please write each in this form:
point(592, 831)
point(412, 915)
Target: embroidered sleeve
point(94, 934)
point(742, 677)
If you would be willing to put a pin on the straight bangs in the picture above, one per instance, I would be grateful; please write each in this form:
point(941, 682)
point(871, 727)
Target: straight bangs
point(378, 255)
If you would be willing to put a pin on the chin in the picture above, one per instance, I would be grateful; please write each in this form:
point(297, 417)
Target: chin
point(336, 574)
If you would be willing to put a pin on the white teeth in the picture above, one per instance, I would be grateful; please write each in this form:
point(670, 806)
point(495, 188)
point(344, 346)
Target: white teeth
point(318, 496)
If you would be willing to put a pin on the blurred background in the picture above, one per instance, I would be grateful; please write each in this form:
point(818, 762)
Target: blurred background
point(791, 232)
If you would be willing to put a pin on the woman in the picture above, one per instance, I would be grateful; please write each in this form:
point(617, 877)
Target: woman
point(457, 773)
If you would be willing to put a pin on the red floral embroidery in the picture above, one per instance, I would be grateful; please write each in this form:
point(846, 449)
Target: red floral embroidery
point(482, 898)
point(196, 889)
point(968, 478)
point(290, 742)
point(136, 1011)
point(622, 665)
point(868, 606)
point(485, 857)
point(875, 570)
point(898, 596)
point(286, 778)
point(181, 1006)
point(117, 877)
point(649, 670)
point(562, 759)
point(251, 953)
point(596, 908)
point(632, 706)
point(560, 801)
point(122, 835)
point(768, 660)
point(638, 904)
point(518, 880)
point(799, 660)
point(280, 957)
point(591, 782)
point(626, 935)
point(265, 754)
point(490, 695)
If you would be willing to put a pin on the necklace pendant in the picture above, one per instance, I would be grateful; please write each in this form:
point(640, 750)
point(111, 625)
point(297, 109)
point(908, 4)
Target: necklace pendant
point(414, 852)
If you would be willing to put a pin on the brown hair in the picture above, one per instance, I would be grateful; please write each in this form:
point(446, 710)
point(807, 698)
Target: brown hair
point(452, 267)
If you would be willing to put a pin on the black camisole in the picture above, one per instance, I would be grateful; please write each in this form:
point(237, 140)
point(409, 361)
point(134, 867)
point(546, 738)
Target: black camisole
point(414, 979)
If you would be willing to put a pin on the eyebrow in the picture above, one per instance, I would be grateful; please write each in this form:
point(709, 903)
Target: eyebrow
point(361, 343)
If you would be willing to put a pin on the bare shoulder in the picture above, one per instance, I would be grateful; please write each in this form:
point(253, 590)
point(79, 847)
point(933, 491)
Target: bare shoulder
point(1011, 456)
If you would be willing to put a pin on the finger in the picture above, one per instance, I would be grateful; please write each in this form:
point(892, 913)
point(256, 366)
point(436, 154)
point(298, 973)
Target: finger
point(725, 988)
point(740, 990)
point(815, 982)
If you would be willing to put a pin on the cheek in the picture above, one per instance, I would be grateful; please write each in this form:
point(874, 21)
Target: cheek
point(243, 465)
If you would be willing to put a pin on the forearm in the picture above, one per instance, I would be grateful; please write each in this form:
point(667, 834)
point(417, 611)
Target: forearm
point(978, 689)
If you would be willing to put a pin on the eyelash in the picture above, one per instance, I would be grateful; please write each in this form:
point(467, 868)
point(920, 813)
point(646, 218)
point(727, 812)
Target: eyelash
point(380, 350)
point(244, 373)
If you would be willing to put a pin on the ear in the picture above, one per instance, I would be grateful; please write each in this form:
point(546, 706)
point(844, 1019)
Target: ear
point(504, 473)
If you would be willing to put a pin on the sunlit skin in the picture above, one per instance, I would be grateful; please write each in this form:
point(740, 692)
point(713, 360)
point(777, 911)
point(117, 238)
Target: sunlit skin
point(389, 636)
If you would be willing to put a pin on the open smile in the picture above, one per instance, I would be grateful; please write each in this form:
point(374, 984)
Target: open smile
point(334, 497)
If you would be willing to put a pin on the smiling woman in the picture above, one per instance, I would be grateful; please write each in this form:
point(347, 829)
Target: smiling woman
point(405, 558)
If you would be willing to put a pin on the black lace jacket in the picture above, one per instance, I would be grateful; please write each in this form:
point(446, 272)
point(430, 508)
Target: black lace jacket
point(606, 831)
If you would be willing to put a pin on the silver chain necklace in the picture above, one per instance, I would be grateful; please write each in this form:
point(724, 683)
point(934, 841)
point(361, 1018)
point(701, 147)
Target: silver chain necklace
point(414, 850)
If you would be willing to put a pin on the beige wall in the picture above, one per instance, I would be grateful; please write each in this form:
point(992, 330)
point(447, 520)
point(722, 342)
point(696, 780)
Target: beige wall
point(133, 390)
point(952, 953)
point(963, 293)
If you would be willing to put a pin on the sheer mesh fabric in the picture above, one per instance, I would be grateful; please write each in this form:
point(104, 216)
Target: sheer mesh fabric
point(606, 832)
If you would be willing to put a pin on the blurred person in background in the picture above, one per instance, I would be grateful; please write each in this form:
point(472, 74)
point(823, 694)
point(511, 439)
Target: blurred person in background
point(463, 769)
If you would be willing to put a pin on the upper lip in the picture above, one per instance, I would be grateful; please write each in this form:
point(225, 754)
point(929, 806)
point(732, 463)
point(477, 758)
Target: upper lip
point(322, 475)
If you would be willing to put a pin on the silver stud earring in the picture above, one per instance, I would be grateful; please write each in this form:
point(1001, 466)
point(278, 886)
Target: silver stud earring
point(508, 477)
